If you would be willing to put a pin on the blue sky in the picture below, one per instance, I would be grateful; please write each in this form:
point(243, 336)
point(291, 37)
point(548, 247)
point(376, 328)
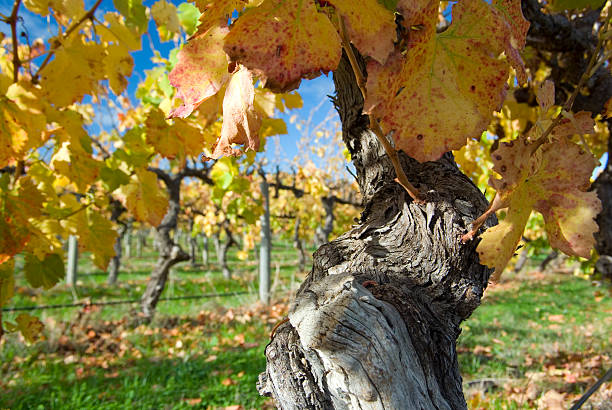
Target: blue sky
point(313, 92)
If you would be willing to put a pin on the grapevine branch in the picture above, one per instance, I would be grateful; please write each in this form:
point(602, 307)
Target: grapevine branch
point(12, 20)
point(583, 79)
point(496, 203)
point(87, 16)
point(402, 179)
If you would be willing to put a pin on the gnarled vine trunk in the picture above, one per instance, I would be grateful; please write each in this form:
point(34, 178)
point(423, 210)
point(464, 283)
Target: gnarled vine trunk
point(376, 322)
point(322, 232)
point(170, 253)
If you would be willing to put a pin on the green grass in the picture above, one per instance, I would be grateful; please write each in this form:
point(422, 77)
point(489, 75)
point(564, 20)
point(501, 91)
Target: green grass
point(184, 280)
point(546, 327)
point(533, 333)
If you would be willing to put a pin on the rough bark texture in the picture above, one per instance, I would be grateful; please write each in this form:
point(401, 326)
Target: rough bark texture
point(204, 250)
point(222, 248)
point(522, 260)
point(115, 262)
point(375, 323)
point(141, 242)
point(193, 244)
point(113, 267)
point(322, 232)
point(299, 245)
point(170, 253)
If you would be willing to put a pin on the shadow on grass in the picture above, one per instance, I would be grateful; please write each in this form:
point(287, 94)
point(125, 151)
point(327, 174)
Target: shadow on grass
point(154, 382)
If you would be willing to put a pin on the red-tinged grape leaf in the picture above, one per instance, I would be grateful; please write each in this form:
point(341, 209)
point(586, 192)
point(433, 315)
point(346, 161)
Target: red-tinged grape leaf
point(283, 42)
point(143, 198)
point(29, 327)
point(174, 141)
point(17, 208)
point(545, 94)
point(201, 70)
point(7, 281)
point(580, 123)
point(568, 210)
point(370, 26)
point(552, 181)
point(46, 272)
point(13, 236)
point(447, 85)
point(512, 14)
point(241, 122)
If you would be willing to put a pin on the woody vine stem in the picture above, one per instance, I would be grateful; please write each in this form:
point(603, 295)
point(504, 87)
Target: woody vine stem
point(402, 179)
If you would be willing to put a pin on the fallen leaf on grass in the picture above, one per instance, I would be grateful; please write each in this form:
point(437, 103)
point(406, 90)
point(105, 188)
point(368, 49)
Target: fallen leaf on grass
point(556, 318)
point(239, 338)
point(551, 400)
point(227, 382)
point(193, 402)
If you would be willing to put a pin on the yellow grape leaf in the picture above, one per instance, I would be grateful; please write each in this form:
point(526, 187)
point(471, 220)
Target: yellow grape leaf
point(22, 122)
point(116, 31)
point(217, 13)
point(165, 16)
point(72, 9)
point(272, 126)
point(241, 122)
point(46, 272)
point(38, 6)
point(143, 198)
point(69, 76)
point(16, 210)
point(455, 75)
point(201, 70)
point(72, 161)
point(283, 42)
point(96, 235)
point(369, 25)
point(173, 141)
point(7, 281)
point(553, 181)
point(292, 101)
point(29, 326)
point(118, 65)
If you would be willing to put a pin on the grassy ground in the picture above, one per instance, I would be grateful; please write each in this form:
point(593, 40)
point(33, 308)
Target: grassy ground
point(537, 338)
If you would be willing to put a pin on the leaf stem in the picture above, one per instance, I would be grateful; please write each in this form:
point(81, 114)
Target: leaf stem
point(87, 16)
point(402, 179)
